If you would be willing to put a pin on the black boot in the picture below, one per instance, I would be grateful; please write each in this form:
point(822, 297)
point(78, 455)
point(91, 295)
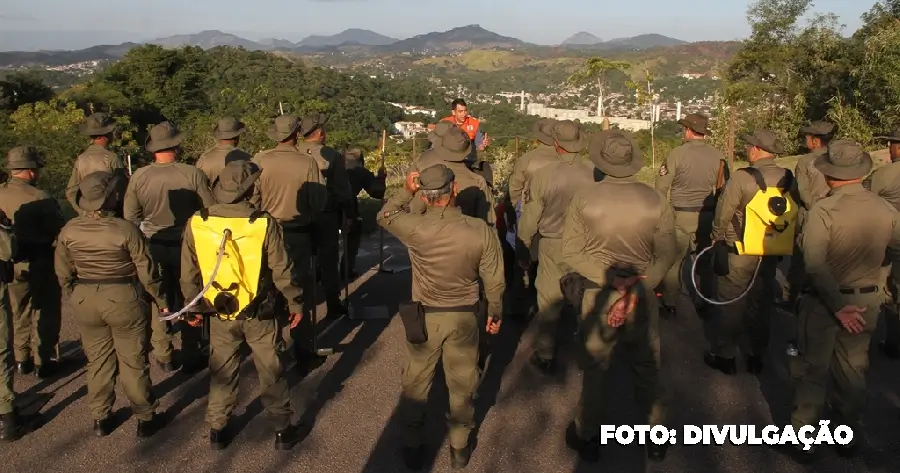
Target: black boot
point(217, 440)
point(588, 450)
point(47, 370)
point(336, 308)
point(716, 362)
point(544, 366)
point(25, 367)
point(414, 457)
point(459, 458)
point(657, 453)
point(9, 427)
point(286, 439)
point(102, 427)
point(754, 364)
point(146, 428)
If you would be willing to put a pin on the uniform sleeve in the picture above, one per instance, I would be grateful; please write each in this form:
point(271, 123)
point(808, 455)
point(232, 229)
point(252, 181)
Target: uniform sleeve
point(517, 180)
point(316, 194)
point(532, 210)
point(666, 175)
point(203, 190)
point(486, 205)
point(665, 252)
point(191, 280)
point(131, 207)
point(814, 242)
point(373, 185)
point(726, 207)
point(801, 173)
point(574, 252)
point(147, 272)
point(72, 186)
point(491, 271)
point(282, 266)
point(397, 221)
point(115, 162)
point(65, 269)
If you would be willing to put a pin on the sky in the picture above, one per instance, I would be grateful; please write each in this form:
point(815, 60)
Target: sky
point(67, 24)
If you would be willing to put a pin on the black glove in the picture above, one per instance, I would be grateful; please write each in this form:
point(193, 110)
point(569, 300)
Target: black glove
point(720, 253)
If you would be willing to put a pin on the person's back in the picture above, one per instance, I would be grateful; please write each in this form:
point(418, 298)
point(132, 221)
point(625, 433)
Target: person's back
point(554, 185)
point(474, 198)
point(695, 166)
point(161, 197)
point(227, 131)
point(291, 187)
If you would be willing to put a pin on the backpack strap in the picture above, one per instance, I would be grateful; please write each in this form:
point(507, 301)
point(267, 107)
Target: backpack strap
point(787, 181)
point(757, 176)
point(204, 214)
point(256, 214)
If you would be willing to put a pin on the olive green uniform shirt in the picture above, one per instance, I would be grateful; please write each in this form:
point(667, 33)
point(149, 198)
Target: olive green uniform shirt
point(449, 252)
point(277, 264)
point(36, 216)
point(95, 158)
point(689, 176)
point(810, 181)
point(473, 196)
point(100, 246)
point(547, 198)
point(739, 191)
point(163, 196)
point(622, 225)
point(845, 239)
point(291, 187)
point(334, 172)
point(526, 166)
point(213, 161)
point(885, 182)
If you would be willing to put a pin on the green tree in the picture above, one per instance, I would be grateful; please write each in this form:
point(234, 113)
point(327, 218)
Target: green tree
point(596, 71)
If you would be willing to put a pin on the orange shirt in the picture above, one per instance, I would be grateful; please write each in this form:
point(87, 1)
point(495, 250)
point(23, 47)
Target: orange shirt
point(470, 125)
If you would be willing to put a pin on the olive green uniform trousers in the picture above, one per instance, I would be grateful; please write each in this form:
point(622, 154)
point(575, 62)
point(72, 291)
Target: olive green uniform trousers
point(452, 339)
point(34, 299)
point(830, 354)
point(549, 296)
point(598, 344)
point(298, 243)
point(328, 254)
point(112, 319)
point(7, 361)
point(744, 323)
point(267, 346)
point(692, 231)
point(167, 257)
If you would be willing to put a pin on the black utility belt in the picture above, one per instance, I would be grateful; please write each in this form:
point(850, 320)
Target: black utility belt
point(412, 314)
point(100, 281)
point(697, 208)
point(461, 308)
point(849, 291)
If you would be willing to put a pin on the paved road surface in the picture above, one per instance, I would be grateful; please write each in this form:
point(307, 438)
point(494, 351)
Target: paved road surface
point(350, 402)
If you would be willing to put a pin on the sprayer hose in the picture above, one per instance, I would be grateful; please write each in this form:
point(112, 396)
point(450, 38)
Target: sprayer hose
point(697, 286)
point(212, 277)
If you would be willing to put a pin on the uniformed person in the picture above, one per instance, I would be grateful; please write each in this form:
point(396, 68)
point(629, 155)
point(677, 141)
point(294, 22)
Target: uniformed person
point(228, 132)
point(160, 199)
point(689, 177)
point(839, 314)
point(34, 294)
point(885, 182)
point(292, 190)
point(360, 179)
point(812, 188)
point(543, 154)
point(619, 236)
point(449, 252)
point(543, 213)
point(254, 320)
point(102, 261)
point(339, 210)
point(451, 148)
point(744, 323)
point(9, 419)
point(97, 157)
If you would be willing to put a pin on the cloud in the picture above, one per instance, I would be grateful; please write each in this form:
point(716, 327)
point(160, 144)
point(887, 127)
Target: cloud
point(14, 17)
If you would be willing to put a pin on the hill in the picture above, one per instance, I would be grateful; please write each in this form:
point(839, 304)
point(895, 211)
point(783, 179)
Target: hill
point(208, 39)
point(62, 58)
point(462, 38)
point(275, 43)
point(582, 39)
point(350, 36)
point(645, 41)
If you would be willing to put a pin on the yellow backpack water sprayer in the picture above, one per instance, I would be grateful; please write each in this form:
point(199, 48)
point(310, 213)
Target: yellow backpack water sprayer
point(769, 227)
